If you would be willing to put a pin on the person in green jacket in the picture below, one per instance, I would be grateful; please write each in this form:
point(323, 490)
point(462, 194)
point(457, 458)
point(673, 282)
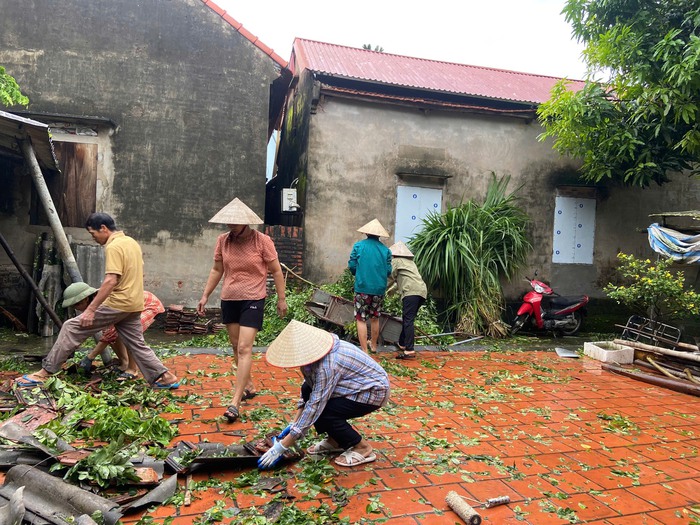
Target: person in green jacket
point(370, 263)
point(413, 290)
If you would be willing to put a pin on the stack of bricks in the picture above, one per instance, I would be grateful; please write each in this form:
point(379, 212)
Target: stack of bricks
point(181, 320)
point(289, 242)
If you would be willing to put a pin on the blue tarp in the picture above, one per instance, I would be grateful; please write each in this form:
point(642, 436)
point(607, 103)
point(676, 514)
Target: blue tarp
point(680, 247)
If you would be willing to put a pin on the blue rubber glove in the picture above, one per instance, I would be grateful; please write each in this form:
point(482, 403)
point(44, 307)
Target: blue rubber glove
point(272, 456)
point(285, 431)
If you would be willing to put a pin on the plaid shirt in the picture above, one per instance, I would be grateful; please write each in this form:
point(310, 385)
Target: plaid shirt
point(346, 371)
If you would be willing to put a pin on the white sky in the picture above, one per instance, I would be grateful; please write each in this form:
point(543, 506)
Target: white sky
point(521, 35)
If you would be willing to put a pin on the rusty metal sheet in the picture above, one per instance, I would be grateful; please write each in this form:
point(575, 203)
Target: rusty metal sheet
point(34, 395)
point(33, 417)
point(147, 476)
point(71, 457)
point(166, 489)
point(122, 497)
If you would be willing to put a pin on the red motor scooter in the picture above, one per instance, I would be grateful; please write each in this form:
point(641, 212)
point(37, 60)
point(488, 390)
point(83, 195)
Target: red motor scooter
point(545, 310)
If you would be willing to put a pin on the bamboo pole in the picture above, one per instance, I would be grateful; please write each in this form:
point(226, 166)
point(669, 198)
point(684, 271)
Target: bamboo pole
point(658, 350)
point(297, 275)
point(50, 208)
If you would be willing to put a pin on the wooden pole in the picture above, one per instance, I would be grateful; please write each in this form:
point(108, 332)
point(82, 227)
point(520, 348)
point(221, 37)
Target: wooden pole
point(40, 296)
point(677, 385)
point(55, 223)
point(658, 350)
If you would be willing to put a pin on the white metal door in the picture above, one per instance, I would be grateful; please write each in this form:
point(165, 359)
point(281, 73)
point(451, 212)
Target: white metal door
point(413, 203)
point(574, 230)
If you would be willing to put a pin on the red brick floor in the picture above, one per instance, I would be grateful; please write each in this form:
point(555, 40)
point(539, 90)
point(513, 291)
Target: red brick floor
point(566, 441)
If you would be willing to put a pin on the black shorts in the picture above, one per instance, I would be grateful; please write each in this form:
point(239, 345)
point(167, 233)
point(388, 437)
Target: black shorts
point(244, 313)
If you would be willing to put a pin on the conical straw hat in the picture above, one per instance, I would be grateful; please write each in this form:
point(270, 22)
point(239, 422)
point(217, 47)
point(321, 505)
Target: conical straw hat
point(235, 212)
point(298, 344)
point(374, 227)
point(400, 249)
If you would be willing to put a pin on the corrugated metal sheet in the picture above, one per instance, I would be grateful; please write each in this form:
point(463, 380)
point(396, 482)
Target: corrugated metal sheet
point(14, 128)
point(418, 73)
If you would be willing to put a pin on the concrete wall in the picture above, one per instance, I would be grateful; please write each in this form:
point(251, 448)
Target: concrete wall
point(356, 150)
point(188, 98)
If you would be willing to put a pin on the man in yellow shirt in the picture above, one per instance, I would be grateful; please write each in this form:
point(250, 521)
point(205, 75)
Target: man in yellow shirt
point(118, 302)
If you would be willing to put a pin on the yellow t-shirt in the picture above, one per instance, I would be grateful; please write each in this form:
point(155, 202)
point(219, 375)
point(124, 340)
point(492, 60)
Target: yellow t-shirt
point(123, 257)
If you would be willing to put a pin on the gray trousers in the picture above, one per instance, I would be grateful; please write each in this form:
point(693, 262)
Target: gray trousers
point(128, 325)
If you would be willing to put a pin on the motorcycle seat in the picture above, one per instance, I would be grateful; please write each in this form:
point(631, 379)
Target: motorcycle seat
point(563, 302)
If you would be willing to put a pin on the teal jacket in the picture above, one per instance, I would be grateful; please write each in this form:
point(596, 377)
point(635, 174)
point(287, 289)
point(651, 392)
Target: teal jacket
point(370, 263)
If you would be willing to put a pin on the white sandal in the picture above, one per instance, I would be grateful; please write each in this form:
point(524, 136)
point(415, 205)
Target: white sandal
point(352, 458)
point(323, 447)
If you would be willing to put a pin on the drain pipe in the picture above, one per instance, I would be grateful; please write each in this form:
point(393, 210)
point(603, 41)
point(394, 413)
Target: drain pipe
point(55, 223)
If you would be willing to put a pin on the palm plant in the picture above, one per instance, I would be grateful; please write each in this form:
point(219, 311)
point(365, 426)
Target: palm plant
point(464, 252)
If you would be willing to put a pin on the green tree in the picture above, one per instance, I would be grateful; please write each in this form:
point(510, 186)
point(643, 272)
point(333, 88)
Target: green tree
point(379, 49)
point(653, 289)
point(10, 94)
point(644, 120)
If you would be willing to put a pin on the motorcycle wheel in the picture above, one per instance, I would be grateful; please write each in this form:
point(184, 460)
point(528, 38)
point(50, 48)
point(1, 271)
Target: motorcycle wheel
point(518, 323)
point(576, 326)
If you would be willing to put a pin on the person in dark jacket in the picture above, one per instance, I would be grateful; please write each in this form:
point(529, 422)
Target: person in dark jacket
point(370, 263)
point(413, 291)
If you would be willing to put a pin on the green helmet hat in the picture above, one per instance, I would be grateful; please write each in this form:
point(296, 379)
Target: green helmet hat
point(76, 292)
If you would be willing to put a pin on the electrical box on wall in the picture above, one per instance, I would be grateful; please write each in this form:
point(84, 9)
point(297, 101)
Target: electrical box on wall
point(289, 199)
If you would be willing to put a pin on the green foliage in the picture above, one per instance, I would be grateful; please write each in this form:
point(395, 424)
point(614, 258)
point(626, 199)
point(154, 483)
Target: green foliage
point(273, 325)
point(316, 477)
point(110, 465)
point(111, 421)
point(216, 513)
point(644, 121)
point(464, 252)
point(297, 298)
point(653, 289)
point(13, 364)
point(10, 93)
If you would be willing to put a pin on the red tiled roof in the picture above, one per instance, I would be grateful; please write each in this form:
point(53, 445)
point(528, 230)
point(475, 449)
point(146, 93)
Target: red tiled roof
point(243, 31)
point(418, 73)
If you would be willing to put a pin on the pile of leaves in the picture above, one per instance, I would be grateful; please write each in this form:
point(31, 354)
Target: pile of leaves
point(106, 417)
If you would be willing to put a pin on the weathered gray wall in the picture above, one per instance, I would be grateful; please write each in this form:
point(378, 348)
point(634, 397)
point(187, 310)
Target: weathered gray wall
point(355, 151)
point(189, 96)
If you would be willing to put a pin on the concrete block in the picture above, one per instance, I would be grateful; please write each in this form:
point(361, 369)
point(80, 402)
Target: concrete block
point(609, 352)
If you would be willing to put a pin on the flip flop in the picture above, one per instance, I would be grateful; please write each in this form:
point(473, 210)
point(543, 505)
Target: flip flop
point(231, 414)
point(322, 447)
point(126, 376)
point(247, 394)
point(406, 355)
point(166, 386)
point(25, 380)
point(351, 458)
